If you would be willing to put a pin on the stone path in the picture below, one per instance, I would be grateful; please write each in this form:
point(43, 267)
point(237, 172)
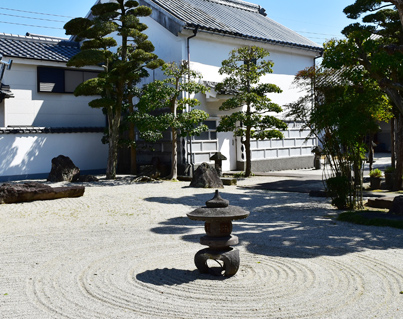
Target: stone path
point(126, 251)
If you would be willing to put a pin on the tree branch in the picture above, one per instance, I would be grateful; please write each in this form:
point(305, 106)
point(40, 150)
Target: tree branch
point(381, 7)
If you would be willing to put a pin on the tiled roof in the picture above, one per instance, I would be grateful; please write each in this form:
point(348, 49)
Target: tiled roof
point(235, 18)
point(37, 48)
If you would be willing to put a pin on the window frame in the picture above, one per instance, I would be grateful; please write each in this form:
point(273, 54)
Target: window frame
point(60, 86)
point(209, 132)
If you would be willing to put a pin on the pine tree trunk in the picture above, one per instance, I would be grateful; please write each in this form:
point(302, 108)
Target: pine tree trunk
point(112, 157)
point(399, 6)
point(399, 153)
point(392, 143)
point(174, 155)
point(371, 153)
point(133, 151)
point(248, 170)
point(133, 160)
point(114, 123)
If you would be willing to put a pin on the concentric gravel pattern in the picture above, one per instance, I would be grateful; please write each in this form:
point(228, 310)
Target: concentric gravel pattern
point(112, 254)
point(131, 283)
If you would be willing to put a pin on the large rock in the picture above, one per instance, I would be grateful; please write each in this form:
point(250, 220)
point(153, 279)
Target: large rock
point(28, 192)
point(206, 176)
point(63, 170)
point(397, 206)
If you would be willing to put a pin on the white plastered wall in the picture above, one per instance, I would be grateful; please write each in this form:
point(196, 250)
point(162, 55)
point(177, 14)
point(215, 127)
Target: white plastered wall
point(31, 154)
point(32, 108)
point(207, 51)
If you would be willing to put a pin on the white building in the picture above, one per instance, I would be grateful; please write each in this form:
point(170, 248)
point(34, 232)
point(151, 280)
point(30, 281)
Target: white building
point(205, 31)
point(40, 118)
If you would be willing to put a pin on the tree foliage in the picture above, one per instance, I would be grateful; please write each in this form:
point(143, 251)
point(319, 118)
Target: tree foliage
point(123, 65)
point(166, 104)
point(342, 109)
point(376, 44)
point(252, 120)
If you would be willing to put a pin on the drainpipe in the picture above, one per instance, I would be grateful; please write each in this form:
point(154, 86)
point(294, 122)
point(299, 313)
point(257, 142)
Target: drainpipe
point(188, 52)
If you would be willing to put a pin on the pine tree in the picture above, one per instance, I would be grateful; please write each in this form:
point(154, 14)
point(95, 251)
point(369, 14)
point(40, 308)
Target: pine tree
point(178, 113)
point(244, 67)
point(376, 45)
point(123, 65)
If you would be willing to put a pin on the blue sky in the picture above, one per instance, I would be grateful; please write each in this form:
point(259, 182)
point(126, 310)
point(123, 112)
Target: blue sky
point(317, 20)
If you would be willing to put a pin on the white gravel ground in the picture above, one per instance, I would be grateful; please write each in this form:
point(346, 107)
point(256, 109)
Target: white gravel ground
point(126, 251)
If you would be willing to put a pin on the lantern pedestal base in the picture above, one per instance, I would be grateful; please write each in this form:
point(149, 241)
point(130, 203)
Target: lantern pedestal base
point(229, 256)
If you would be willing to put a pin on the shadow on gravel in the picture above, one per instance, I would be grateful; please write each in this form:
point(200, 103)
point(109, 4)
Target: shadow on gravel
point(292, 185)
point(285, 224)
point(102, 182)
point(173, 276)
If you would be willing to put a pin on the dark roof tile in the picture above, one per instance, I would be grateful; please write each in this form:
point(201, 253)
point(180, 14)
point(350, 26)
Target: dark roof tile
point(234, 17)
point(28, 47)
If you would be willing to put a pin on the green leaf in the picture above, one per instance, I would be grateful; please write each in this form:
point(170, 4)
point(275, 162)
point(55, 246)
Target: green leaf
point(104, 8)
point(104, 103)
point(142, 11)
point(77, 25)
point(106, 42)
point(94, 86)
point(131, 4)
point(123, 66)
point(87, 57)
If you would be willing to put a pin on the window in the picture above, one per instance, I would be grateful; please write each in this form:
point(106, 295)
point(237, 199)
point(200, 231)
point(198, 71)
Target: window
point(211, 134)
point(55, 80)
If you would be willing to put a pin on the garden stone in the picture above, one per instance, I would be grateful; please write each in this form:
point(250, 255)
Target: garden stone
point(31, 191)
point(63, 170)
point(397, 206)
point(206, 176)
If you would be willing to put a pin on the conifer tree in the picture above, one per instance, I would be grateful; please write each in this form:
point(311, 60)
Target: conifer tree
point(124, 64)
point(176, 109)
point(376, 45)
point(244, 67)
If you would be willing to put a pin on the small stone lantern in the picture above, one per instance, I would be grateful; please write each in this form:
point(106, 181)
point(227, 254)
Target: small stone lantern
point(317, 151)
point(218, 158)
point(218, 216)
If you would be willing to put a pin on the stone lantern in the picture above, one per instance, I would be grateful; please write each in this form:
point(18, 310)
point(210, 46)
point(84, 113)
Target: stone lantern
point(218, 216)
point(218, 158)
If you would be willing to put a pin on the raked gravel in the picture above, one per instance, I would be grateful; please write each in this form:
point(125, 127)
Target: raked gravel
point(125, 250)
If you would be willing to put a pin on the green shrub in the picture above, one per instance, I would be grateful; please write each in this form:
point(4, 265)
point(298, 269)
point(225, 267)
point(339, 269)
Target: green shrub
point(389, 169)
point(375, 173)
point(339, 189)
point(357, 218)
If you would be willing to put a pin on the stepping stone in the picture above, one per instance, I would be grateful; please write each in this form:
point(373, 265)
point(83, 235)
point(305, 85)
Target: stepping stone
point(380, 202)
